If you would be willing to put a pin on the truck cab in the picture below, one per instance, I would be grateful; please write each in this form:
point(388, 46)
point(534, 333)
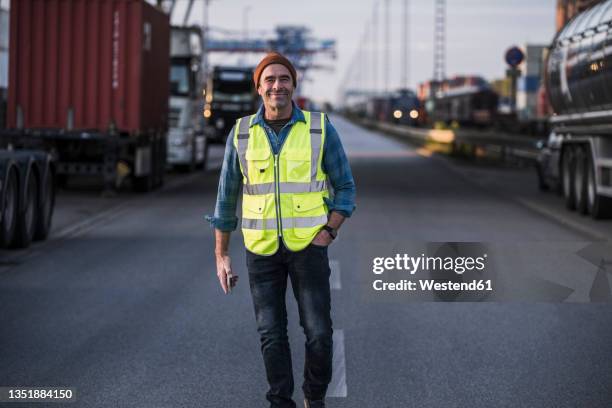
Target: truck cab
point(186, 141)
point(229, 95)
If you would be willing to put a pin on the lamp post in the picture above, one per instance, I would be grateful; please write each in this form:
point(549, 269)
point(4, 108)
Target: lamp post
point(245, 22)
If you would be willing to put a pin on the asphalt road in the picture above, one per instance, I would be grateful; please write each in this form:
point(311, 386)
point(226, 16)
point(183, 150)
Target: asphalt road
point(123, 303)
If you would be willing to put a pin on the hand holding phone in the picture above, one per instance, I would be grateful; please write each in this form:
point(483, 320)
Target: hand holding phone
point(224, 272)
point(231, 282)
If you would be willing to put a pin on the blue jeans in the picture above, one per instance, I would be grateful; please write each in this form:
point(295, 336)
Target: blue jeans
point(309, 273)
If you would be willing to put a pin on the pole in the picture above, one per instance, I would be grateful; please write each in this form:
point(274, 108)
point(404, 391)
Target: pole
point(387, 65)
point(405, 45)
point(204, 42)
point(245, 23)
point(374, 49)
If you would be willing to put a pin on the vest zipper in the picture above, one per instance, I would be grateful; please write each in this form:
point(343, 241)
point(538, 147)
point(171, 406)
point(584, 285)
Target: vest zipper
point(279, 223)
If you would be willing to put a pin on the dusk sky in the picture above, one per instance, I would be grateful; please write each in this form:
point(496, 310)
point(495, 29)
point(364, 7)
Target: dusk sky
point(478, 33)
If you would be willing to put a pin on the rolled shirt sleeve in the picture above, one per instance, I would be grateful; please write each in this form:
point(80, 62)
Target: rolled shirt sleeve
point(230, 181)
point(336, 165)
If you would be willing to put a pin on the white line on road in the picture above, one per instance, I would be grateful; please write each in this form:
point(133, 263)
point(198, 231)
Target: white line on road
point(89, 223)
point(337, 387)
point(334, 279)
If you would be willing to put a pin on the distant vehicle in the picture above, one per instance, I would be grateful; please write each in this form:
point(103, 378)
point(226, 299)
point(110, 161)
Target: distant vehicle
point(229, 95)
point(403, 107)
point(94, 93)
point(186, 140)
point(306, 103)
point(400, 107)
point(577, 158)
point(466, 100)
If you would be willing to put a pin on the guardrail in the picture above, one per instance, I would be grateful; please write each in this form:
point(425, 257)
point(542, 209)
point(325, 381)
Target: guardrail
point(486, 144)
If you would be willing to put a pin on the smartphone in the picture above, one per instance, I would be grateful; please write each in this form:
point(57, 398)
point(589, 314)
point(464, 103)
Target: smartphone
point(231, 282)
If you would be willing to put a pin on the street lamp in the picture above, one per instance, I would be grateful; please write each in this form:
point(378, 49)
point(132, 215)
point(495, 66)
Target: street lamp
point(245, 22)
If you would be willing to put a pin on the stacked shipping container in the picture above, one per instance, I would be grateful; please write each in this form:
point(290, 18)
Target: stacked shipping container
point(83, 64)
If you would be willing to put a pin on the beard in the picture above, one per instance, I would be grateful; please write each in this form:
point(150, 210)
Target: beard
point(280, 102)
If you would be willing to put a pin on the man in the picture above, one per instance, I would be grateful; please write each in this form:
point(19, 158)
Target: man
point(284, 159)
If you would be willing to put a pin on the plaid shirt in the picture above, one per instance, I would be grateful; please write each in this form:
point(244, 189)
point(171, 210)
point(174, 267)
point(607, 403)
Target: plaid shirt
point(334, 163)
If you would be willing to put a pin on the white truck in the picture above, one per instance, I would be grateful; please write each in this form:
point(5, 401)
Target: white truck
point(186, 141)
point(577, 158)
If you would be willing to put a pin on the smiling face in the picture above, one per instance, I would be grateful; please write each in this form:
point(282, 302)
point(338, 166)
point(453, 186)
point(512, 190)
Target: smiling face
point(276, 87)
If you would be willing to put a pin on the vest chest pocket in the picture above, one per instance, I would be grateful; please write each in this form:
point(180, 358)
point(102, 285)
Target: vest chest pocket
point(297, 165)
point(258, 160)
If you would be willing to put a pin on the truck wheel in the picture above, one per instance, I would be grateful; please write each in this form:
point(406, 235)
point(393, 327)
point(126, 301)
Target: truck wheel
point(160, 168)
point(580, 182)
point(542, 184)
point(567, 176)
point(142, 184)
point(598, 206)
point(9, 206)
point(202, 165)
point(27, 219)
point(45, 207)
point(162, 173)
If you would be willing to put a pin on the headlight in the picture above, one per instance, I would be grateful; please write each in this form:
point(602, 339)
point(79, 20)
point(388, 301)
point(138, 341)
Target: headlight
point(179, 142)
point(414, 114)
point(397, 114)
point(207, 113)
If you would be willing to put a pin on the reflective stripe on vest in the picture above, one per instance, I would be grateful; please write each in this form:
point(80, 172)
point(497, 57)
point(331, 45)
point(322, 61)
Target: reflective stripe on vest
point(299, 222)
point(266, 188)
point(283, 194)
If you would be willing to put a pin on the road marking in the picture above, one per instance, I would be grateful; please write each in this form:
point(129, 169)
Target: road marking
point(337, 387)
point(334, 279)
point(89, 223)
point(561, 218)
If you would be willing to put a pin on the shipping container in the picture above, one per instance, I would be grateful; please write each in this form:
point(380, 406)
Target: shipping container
point(4, 34)
point(88, 79)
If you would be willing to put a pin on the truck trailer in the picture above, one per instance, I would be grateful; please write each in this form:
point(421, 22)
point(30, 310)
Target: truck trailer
point(88, 82)
point(577, 158)
point(27, 177)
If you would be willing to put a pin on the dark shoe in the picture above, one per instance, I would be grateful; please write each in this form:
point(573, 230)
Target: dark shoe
point(314, 404)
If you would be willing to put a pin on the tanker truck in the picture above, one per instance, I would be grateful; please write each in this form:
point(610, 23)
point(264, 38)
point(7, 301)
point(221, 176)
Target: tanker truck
point(576, 160)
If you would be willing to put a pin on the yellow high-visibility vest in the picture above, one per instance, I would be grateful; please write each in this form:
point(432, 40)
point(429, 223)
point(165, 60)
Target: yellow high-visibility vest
point(282, 195)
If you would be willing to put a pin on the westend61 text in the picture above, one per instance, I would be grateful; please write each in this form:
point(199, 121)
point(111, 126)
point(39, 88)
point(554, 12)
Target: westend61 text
point(432, 285)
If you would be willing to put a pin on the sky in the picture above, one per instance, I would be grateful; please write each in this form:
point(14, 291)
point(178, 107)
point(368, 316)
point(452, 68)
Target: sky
point(477, 34)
